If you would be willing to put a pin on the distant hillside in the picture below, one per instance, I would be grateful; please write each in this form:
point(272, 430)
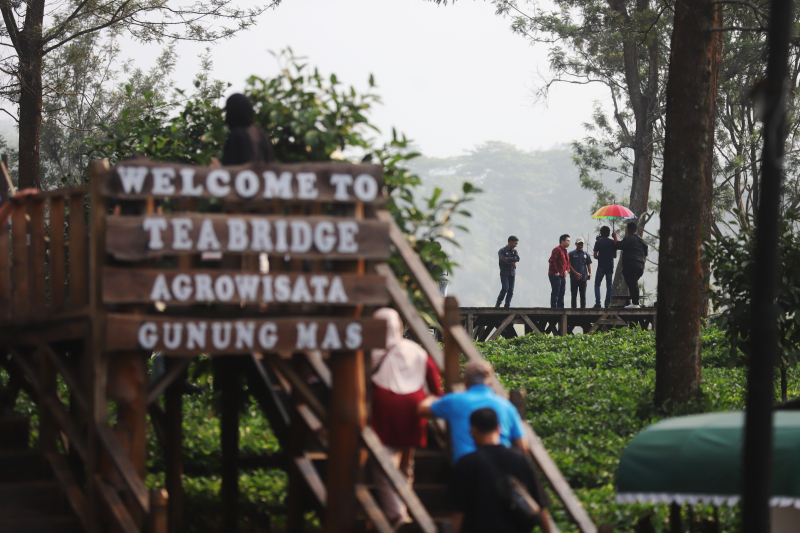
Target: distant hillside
point(532, 195)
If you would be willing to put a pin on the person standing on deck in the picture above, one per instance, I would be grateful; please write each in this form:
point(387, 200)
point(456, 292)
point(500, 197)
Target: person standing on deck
point(580, 272)
point(634, 256)
point(557, 272)
point(605, 253)
point(508, 258)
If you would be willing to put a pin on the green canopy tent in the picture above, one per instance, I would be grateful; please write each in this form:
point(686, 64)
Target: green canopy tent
point(693, 459)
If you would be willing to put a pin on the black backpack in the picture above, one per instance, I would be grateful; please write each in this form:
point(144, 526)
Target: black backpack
point(514, 498)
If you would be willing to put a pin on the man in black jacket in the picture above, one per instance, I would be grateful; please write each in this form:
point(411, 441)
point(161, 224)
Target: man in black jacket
point(634, 255)
point(472, 494)
point(508, 259)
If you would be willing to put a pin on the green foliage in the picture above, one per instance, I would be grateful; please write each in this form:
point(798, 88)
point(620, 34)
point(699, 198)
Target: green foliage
point(732, 262)
point(588, 396)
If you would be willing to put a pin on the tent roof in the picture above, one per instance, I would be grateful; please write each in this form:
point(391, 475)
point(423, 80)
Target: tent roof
point(699, 458)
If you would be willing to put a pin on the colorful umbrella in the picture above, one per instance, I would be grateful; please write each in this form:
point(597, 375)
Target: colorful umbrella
point(614, 212)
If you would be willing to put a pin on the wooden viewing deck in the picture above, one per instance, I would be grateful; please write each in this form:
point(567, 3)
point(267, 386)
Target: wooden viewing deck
point(489, 323)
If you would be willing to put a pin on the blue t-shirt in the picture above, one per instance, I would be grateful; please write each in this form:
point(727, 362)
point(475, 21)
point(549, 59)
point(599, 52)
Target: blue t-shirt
point(605, 253)
point(457, 407)
point(579, 259)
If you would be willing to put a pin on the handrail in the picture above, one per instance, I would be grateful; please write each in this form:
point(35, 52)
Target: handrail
point(460, 337)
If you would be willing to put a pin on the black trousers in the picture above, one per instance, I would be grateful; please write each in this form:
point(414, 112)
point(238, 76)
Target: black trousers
point(576, 285)
point(631, 276)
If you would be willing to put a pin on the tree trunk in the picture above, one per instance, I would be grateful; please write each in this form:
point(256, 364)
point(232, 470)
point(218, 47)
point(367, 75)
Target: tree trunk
point(682, 198)
point(30, 54)
point(708, 170)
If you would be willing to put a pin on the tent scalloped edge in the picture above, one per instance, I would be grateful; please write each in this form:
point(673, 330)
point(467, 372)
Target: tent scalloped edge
point(693, 499)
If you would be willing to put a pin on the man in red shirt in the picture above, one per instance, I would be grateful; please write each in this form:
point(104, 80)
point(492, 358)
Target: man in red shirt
point(559, 268)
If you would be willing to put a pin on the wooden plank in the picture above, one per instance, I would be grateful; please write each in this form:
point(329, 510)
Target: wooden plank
point(551, 472)
point(173, 444)
point(410, 315)
point(116, 508)
point(471, 325)
point(452, 353)
point(530, 323)
point(299, 385)
point(195, 336)
point(562, 325)
point(70, 488)
point(328, 182)
point(415, 265)
point(124, 285)
point(61, 192)
point(77, 252)
point(177, 369)
point(310, 475)
point(65, 423)
point(5, 273)
point(374, 512)
point(37, 258)
point(124, 466)
point(503, 325)
point(596, 325)
point(159, 517)
point(58, 260)
point(75, 389)
point(133, 238)
point(19, 266)
point(314, 424)
point(7, 178)
point(314, 359)
point(399, 483)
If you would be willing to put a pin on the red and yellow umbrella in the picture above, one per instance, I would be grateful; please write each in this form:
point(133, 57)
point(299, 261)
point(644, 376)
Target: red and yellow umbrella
point(614, 212)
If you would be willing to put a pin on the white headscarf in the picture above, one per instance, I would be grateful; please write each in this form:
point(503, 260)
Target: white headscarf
point(403, 362)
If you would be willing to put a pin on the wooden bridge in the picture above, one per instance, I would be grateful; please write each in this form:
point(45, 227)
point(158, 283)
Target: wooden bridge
point(94, 279)
point(489, 323)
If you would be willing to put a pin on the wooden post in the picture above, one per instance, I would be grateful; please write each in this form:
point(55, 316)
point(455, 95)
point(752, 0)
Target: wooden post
point(471, 325)
point(452, 354)
point(95, 364)
point(159, 503)
point(226, 373)
point(19, 265)
point(77, 239)
point(296, 492)
point(37, 259)
point(173, 403)
point(127, 385)
point(47, 387)
point(562, 327)
point(348, 416)
point(58, 263)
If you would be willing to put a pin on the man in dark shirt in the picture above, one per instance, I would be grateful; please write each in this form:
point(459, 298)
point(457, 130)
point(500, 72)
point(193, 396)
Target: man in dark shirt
point(557, 272)
point(605, 253)
point(508, 258)
point(634, 255)
point(472, 493)
point(580, 271)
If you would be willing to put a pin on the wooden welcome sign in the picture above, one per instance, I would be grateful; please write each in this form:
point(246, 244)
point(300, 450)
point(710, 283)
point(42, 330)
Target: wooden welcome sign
point(331, 238)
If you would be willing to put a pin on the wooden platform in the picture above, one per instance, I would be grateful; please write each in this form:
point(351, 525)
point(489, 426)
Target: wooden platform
point(489, 323)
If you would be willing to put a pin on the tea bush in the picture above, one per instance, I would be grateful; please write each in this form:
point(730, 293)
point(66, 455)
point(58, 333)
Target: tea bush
point(588, 396)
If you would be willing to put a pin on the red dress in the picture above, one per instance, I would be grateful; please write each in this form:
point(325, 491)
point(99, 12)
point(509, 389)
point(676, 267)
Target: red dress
point(394, 416)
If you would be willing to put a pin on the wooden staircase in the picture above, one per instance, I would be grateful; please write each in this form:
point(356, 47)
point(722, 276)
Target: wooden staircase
point(32, 499)
point(72, 266)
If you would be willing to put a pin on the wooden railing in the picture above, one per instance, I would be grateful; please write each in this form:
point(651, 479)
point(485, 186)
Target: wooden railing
point(43, 258)
point(457, 342)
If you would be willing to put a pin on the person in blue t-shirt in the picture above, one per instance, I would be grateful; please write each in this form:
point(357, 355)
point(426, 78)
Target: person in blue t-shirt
point(456, 408)
point(605, 253)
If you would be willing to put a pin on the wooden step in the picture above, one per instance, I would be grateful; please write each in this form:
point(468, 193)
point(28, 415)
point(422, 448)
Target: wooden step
point(55, 524)
point(13, 433)
point(23, 465)
point(31, 499)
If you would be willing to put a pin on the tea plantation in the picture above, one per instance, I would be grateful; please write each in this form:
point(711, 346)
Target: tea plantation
point(588, 396)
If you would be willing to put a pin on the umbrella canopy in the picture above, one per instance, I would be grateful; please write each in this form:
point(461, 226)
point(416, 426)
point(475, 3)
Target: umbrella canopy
point(699, 458)
point(614, 212)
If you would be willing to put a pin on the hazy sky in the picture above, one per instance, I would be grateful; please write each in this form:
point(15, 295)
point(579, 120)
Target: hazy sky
point(449, 77)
